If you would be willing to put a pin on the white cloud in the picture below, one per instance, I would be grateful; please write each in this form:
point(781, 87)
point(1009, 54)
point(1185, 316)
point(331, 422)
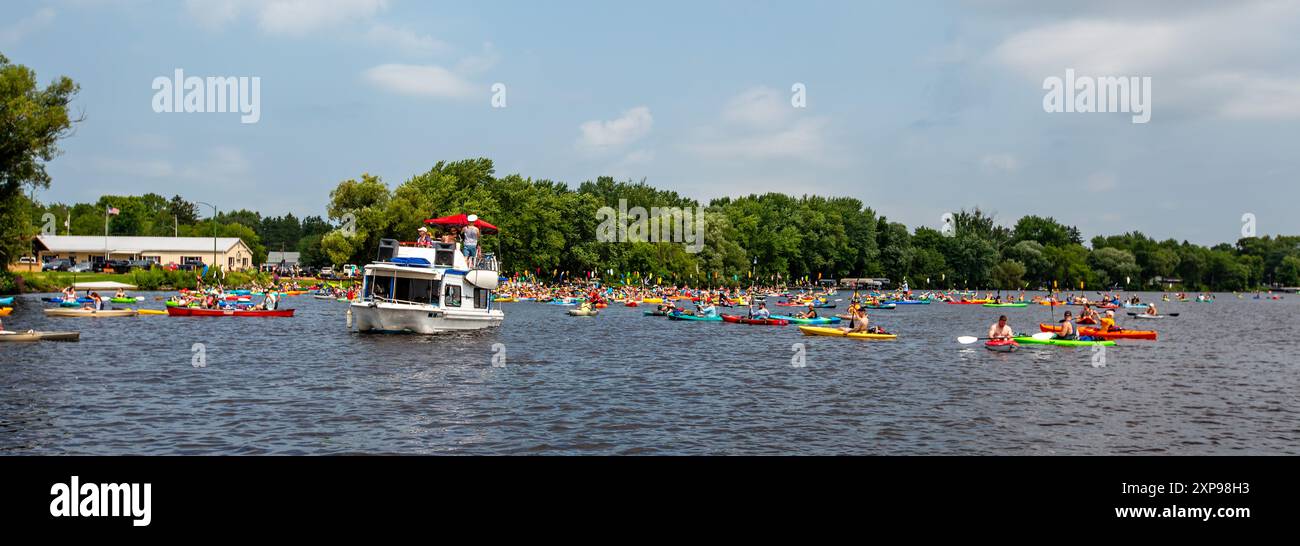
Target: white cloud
point(803, 140)
point(15, 32)
point(758, 107)
point(421, 81)
point(1232, 59)
point(1100, 182)
point(760, 124)
point(600, 135)
point(1000, 162)
point(405, 40)
point(287, 17)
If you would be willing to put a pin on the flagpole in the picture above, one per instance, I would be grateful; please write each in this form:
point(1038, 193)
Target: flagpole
point(105, 233)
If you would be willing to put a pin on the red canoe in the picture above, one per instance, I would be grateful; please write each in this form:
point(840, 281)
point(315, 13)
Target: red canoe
point(190, 312)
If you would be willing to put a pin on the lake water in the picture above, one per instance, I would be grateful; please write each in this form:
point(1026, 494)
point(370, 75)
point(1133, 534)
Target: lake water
point(1223, 379)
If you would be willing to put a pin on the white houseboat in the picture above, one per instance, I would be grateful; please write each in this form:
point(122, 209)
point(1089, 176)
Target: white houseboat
point(426, 290)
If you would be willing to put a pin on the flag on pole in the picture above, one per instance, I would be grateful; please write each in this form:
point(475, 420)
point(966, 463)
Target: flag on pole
point(113, 211)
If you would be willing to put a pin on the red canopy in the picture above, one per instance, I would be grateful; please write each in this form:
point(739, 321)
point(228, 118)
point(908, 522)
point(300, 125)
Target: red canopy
point(461, 220)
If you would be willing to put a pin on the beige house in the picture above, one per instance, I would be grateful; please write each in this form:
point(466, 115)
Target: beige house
point(231, 252)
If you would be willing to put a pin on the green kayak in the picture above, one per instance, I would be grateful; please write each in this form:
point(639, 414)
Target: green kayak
point(1062, 342)
point(1006, 305)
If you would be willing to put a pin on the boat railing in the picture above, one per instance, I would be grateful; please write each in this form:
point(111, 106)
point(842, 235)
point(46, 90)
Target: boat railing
point(488, 262)
point(384, 299)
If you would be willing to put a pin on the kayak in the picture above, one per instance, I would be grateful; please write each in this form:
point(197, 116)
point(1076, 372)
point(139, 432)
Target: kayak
point(7, 301)
point(1015, 305)
point(757, 322)
point(17, 337)
point(972, 302)
point(836, 332)
point(818, 320)
point(887, 307)
point(908, 302)
point(1002, 346)
point(601, 305)
point(1148, 317)
point(188, 312)
point(583, 312)
point(1097, 333)
point(652, 300)
point(631, 304)
point(59, 336)
point(125, 300)
point(1062, 342)
point(655, 313)
point(151, 312)
point(682, 316)
point(106, 313)
point(505, 300)
point(6, 311)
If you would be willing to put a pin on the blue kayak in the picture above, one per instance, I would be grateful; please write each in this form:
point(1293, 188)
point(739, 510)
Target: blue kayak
point(818, 320)
point(680, 316)
point(7, 301)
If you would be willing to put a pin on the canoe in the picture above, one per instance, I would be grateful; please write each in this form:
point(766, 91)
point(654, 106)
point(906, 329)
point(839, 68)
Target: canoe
point(836, 332)
point(818, 320)
point(1062, 342)
point(6, 311)
point(1009, 305)
point(189, 312)
point(91, 313)
point(583, 312)
point(734, 319)
point(1097, 333)
point(683, 316)
point(1002, 346)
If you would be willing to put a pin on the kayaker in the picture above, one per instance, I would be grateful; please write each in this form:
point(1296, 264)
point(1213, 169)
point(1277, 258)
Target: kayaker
point(270, 302)
point(1067, 328)
point(1108, 323)
point(811, 314)
point(1001, 331)
point(1151, 309)
point(858, 322)
point(762, 312)
point(708, 310)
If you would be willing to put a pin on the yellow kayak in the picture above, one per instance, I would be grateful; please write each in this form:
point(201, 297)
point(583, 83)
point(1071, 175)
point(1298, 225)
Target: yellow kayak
point(152, 312)
point(652, 300)
point(5, 312)
point(836, 332)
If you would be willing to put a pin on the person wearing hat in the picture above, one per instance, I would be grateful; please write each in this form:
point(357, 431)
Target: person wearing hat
point(1108, 323)
point(1067, 328)
point(469, 240)
point(425, 239)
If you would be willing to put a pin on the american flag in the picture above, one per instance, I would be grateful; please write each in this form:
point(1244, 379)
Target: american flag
point(113, 211)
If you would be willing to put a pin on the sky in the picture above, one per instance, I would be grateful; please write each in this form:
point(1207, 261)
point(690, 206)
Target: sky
point(917, 108)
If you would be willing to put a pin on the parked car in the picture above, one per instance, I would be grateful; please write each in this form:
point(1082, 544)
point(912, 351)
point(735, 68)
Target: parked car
point(83, 267)
point(142, 264)
point(327, 272)
point(118, 266)
point(56, 265)
point(28, 260)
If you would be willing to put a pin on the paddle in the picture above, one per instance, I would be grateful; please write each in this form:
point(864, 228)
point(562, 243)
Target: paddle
point(1166, 314)
point(1041, 336)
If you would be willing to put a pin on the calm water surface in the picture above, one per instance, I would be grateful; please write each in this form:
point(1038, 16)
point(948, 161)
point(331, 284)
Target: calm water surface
point(1223, 379)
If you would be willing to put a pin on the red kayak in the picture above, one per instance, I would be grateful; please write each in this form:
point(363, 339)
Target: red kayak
point(190, 312)
point(631, 304)
point(758, 322)
point(1002, 346)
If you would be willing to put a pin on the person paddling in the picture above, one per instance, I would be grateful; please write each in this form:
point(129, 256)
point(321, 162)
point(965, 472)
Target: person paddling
point(1151, 310)
point(811, 314)
point(1001, 331)
point(858, 322)
point(762, 312)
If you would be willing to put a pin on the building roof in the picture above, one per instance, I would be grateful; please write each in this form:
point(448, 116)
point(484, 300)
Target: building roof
point(287, 257)
point(132, 245)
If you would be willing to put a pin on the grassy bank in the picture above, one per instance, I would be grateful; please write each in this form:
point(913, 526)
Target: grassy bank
point(156, 279)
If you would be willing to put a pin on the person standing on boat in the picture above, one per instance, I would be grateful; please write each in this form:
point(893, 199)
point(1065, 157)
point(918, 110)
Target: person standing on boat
point(425, 240)
point(469, 240)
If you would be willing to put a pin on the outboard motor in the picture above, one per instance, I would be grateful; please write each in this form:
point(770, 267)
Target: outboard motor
point(387, 250)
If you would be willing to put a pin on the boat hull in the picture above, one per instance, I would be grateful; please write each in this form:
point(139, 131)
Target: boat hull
point(190, 312)
point(394, 318)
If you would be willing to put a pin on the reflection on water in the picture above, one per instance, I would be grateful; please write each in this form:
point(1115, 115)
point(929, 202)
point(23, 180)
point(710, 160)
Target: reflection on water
point(623, 383)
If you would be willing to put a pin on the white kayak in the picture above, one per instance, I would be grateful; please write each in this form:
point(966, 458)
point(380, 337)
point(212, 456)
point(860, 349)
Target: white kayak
point(1148, 317)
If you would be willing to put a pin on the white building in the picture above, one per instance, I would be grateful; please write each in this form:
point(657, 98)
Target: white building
point(228, 252)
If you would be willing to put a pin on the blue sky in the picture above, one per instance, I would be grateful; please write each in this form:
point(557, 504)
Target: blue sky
point(917, 108)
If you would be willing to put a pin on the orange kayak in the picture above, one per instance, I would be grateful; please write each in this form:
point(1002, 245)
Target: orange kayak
point(1097, 333)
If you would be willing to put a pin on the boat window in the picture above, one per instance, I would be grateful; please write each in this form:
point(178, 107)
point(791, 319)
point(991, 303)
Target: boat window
point(481, 298)
point(402, 289)
point(451, 298)
point(421, 291)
